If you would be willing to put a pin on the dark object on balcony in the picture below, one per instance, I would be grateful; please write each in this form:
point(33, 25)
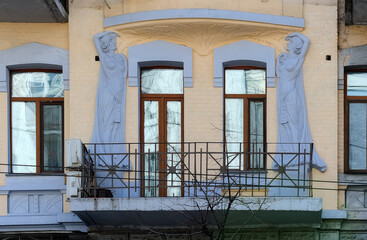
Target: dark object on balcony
point(104, 193)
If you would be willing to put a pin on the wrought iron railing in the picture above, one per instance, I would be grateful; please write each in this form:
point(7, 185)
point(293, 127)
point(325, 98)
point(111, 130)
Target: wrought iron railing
point(197, 169)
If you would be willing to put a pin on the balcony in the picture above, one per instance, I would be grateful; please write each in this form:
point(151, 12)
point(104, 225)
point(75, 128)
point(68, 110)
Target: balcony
point(142, 179)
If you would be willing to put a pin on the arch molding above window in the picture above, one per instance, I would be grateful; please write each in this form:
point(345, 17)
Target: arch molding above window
point(244, 53)
point(157, 53)
point(31, 56)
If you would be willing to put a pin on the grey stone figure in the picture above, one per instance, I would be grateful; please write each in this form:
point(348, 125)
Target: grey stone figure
point(291, 104)
point(109, 124)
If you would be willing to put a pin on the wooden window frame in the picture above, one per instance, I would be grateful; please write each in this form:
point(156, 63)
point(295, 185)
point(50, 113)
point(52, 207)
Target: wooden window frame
point(347, 101)
point(162, 123)
point(39, 102)
point(247, 98)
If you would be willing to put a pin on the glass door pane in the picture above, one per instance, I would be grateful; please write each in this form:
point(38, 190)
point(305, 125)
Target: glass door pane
point(173, 148)
point(234, 132)
point(23, 131)
point(52, 137)
point(151, 148)
point(256, 134)
point(357, 136)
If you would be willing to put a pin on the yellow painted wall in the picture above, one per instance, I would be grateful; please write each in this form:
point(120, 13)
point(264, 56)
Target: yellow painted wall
point(320, 78)
point(53, 34)
point(291, 8)
point(85, 20)
point(3, 205)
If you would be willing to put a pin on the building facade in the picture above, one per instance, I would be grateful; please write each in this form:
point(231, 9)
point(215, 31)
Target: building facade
point(137, 119)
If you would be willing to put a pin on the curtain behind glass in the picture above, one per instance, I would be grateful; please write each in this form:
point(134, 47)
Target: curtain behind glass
point(174, 147)
point(256, 129)
point(23, 130)
point(52, 137)
point(234, 132)
point(151, 138)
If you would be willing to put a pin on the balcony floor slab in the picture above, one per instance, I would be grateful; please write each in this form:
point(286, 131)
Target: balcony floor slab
point(184, 211)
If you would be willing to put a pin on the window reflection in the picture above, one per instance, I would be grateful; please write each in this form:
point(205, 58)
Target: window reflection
point(37, 84)
point(162, 81)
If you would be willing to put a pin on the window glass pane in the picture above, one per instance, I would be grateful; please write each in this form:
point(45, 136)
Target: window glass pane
point(37, 84)
point(357, 84)
point(52, 137)
point(23, 130)
point(234, 132)
point(245, 81)
point(174, 147)
point(162, 81)
point(151, 138)
point(256, 134)
point(357, 136)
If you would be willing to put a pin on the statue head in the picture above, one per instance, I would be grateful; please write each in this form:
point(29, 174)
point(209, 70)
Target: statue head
point(295, 44)
point(108, 42)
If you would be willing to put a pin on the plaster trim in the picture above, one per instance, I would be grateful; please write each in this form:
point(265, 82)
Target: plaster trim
point(33, 183)
point(159, 53)
point(353, 57)
point(33, 55)
point(244, 53)
point(333, 214)
point(203, 14)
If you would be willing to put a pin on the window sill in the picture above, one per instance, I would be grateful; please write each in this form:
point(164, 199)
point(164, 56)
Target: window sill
point(33, 174)
point(352, 178)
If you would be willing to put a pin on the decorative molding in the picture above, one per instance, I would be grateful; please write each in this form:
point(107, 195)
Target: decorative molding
point(40, 202)
point(355, 57)
point(159, 53)
point(244, 53)
point(356, 197)
point(33, 55)
point(203, 14)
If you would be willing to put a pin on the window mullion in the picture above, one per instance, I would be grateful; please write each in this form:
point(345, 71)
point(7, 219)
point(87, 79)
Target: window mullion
point(38, 136)
point(246, 145)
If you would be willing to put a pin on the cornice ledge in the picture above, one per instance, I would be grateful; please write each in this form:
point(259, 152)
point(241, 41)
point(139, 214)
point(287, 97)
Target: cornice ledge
point(203, 14)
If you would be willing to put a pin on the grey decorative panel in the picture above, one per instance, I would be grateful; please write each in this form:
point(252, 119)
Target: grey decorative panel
point(44, 202)
point(299, 236)
point(356, 197)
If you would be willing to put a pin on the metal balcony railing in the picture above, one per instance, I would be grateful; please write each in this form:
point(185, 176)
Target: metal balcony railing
point(195, 169)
